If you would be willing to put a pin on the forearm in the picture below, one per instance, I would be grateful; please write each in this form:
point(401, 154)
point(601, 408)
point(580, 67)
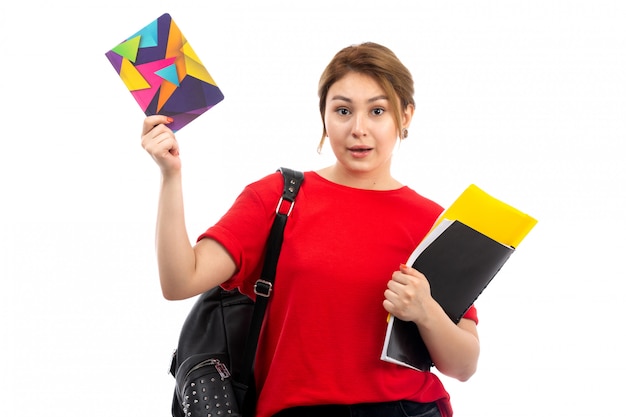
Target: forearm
point(454, 348)
point(175, 254)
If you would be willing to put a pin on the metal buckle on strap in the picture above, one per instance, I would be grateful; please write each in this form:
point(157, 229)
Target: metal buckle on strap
point(280, 203)
point(263, 288)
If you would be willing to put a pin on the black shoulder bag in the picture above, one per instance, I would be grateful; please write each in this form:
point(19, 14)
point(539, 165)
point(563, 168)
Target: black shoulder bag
point(214, 361)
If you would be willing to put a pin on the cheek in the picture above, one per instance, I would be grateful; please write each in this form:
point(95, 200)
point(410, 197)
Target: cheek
point(328, 124)
point(387, 131)
point(333, 128)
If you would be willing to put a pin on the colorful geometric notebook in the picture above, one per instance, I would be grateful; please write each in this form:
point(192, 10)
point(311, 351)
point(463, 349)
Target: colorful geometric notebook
point(164, 74)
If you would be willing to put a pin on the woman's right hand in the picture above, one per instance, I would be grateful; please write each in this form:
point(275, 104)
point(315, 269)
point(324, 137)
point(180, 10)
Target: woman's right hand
point(160, 142)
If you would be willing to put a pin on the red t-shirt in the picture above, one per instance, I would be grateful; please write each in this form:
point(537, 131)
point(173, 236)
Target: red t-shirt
point(325, 324)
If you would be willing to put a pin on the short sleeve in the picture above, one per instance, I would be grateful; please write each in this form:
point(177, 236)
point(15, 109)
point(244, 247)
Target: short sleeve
point(471, 314)
point(244, 229)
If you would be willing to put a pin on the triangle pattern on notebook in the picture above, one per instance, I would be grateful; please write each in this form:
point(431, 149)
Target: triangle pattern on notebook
point(164, 74)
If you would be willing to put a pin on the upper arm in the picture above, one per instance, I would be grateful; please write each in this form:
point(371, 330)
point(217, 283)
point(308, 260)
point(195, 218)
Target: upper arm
point(214, 265)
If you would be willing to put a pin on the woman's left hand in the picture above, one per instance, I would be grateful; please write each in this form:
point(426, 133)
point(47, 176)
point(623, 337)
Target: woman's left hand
point(454, 348)
point(408, 296)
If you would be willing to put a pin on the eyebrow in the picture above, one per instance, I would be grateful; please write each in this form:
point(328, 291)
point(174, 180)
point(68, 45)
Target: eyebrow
point(376, 98)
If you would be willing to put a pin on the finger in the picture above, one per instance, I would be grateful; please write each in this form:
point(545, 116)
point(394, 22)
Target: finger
point(400, 277)
point(166, 142)
point(391, 297)
point(407, 270)
point(157, 135)
point(388, 306)
point(395, 286)
point(162, 145)
point(394, 304)
point(174, 149)
point(150, 122)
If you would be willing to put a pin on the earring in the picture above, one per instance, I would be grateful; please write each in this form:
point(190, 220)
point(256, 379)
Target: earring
point(405, 133)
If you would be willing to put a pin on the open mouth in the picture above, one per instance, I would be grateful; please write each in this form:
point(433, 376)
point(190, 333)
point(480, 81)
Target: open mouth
point(360, 150)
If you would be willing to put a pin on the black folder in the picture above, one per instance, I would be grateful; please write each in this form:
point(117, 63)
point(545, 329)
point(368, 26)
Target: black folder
point(459, 262)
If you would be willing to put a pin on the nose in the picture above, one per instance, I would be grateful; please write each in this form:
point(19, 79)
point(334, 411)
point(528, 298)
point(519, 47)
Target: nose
point(358, 126)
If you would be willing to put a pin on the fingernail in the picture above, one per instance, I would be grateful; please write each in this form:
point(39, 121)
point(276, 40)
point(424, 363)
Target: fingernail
point(170, 120)
point(403, 266)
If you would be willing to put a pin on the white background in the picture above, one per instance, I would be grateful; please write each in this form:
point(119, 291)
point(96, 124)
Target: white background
point(524, 98)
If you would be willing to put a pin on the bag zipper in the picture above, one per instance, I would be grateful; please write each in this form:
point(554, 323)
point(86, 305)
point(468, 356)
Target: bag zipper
point(219, 367)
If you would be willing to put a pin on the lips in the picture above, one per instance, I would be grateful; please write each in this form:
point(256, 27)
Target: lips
point(359, 151)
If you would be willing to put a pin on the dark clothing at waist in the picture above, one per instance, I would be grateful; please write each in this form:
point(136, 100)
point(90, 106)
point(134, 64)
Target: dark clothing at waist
point(387, 409)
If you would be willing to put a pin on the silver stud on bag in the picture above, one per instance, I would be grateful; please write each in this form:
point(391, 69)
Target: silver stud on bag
point(208, 394)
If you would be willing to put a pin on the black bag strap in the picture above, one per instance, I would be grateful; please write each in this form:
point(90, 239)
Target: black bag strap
point(263, 286)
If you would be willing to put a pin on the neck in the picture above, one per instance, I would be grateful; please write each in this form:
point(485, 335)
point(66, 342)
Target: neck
point(361, 180)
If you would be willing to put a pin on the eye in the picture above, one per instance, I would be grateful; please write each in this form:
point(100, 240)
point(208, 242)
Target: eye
point(342, 111)
point(378, 111)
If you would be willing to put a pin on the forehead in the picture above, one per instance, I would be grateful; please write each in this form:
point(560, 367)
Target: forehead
point(355, 86)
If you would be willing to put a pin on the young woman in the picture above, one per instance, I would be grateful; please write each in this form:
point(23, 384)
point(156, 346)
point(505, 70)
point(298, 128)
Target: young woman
point(340, 271)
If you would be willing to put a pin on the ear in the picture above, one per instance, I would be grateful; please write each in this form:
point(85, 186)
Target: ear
point(407, 116)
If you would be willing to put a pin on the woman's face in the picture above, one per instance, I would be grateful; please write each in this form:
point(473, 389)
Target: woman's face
point(360, 126)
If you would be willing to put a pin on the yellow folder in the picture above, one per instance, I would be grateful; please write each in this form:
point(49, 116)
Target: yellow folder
point(490, 216)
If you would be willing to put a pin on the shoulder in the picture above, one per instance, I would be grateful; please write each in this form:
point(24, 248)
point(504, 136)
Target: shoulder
point(268, 189)
point(417, 207)
point(415, 198)
point(272, 180)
